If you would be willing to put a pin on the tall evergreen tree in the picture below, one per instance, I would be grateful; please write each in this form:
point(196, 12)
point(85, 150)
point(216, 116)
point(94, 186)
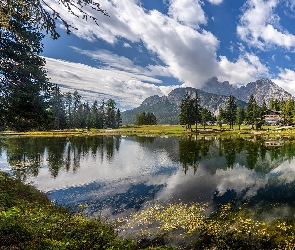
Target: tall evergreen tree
point(240, 116)
point(286, 112)
point(110, 113)
point(57, 108)
point(118, 118)
point(23, 82)
point(187, 116)
point(252, 112)
point(274, 104)
point(75, 110)
point(197, 109)
point(230, 111)
point(205, 116)
point(94, 114)
point(262, 113)
point(68, 102)
point(220, 117)
point(102, 116)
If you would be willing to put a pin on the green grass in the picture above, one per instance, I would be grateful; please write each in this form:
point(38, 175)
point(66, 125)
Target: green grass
point(164, 130)
point(28, 220)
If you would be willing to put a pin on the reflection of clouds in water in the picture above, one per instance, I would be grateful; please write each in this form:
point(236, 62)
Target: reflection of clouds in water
point(188, 187)
point(285, 172)
point(239, 179)
point(150, 170)
point(202, 185)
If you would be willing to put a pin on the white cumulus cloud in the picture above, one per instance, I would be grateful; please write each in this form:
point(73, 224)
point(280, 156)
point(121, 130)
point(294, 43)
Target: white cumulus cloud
point(246, 68)
point(189, 12)
point(260, 26)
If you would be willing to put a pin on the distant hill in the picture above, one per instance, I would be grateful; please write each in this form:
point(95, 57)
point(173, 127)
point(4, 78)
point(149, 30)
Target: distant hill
point(166, 108)
point(263, 90)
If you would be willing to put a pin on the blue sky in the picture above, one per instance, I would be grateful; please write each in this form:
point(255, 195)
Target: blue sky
point(149, 47)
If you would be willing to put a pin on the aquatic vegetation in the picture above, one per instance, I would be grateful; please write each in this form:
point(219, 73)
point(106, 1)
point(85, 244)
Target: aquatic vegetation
point(226, 228)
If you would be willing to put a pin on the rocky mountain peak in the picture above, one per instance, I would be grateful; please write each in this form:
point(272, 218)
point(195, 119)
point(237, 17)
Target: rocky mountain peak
point(263, 90)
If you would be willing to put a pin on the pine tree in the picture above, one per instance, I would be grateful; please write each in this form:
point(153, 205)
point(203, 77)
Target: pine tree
point(187, 116)
point(118, 118)
point(94, 115)
point(68, 100)
point(205, 116)
point(57, 109)
point(24, 87)
point(101, 115)
point(287, 112)
point(110, 113)
point(240, 116)
point(220, 117)
point(197, 110)
point(230, 111)
point(252, 112)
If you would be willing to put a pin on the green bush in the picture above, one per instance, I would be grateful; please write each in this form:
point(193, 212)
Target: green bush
point(29, 221)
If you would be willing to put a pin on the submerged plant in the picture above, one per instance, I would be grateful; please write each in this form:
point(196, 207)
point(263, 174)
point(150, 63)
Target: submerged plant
point(226, 228)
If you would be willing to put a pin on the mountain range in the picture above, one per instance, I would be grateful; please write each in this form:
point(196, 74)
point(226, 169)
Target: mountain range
point(213, 95)
point(262, 90)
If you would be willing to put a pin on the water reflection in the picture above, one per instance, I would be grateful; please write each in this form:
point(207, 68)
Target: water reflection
point(26, 155)
point(118, 174)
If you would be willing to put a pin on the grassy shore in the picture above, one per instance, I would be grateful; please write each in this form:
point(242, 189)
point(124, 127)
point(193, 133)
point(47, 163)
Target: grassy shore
point(29, 221)
point(165, 130)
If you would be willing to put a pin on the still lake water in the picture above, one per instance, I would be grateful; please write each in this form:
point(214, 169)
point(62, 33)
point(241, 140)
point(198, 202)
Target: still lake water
point(116, 175)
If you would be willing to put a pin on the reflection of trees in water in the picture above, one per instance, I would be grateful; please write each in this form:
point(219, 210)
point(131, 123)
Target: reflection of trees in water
point(1, 146)
point(252, 153)
point(192, 150)
point(27, 154)
point(144, 140)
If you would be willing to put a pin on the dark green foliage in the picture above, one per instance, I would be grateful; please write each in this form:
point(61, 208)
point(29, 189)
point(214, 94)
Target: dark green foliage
point(206, 116)
point(29, 221)
point(27, 100)
point(240, 117)
point(110, 114)
point(189, 111)
point(230, 111)
point(57, 109)
point(146, 119)
point(24, 87)
point(68, 111)
point(118, 118)
point(191, 151)
point(252, 112)
point(186, 111)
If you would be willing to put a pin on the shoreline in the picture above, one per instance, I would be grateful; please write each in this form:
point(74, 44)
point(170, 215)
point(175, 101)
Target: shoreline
point(163, 130)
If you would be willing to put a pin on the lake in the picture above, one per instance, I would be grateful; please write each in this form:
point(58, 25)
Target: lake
point(117, 175)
